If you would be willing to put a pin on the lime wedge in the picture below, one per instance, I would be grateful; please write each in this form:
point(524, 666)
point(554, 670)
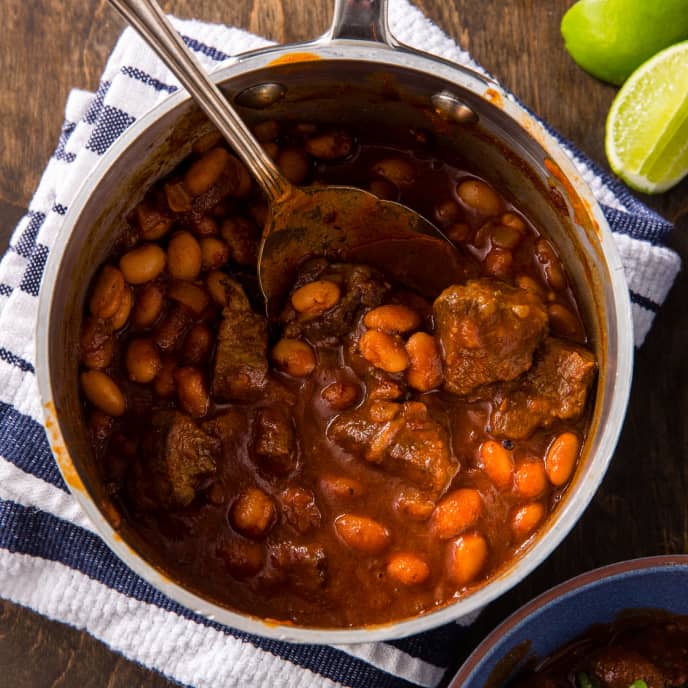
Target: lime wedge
point(647, 126)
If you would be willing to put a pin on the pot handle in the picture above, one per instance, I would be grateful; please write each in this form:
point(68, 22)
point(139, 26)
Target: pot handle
point(363, 20)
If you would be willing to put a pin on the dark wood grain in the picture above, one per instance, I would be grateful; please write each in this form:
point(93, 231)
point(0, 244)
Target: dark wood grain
point(50, 46)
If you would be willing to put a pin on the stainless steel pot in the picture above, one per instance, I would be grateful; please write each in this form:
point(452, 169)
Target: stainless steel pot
point(356, 73)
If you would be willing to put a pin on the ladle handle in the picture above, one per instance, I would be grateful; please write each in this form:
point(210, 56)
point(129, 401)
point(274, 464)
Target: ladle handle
point(364, 20)
point(146, 17)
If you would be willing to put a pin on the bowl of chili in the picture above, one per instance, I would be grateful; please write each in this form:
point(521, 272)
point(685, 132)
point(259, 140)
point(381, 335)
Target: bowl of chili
point(161, 333)
point(623, 625)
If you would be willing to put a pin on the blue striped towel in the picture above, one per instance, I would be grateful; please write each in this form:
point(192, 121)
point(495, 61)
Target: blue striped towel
point(51, 560)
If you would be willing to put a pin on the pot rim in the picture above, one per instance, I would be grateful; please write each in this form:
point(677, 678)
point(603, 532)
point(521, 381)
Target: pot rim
point(619, 322)
point(567, 588)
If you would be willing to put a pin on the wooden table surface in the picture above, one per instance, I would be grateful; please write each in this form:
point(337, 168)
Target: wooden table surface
point(51, 46)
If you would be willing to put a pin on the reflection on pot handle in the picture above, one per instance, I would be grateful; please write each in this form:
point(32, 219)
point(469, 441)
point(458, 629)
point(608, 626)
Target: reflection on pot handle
point(364, 20)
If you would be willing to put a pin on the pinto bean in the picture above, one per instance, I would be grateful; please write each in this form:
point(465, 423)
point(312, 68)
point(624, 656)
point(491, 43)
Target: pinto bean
point(205, 171)
point(413, 504)
point(253, 513)
point(467, 558)
point(330, 146)
point(479, 196)
point(561, 457)
point(563, 321)
point(294, 357)
point(316, 297)
point(214, 253)
point(447, 212)
point(529, 284)
point(184, 256)
point(514, 221)
point(153, 223)
point(266, 131)
point(362, 534)
point(498, 464)
point(341, 395)
point(102, 391)
point(142, 360)
point(97, 345)
point(100, 426)
point(172, 328)
point(456, 512)
point(341, 487)
point(506, 237)
point(178, 198)
point(192, 296)
point(530, 478)
point(121, 316)
point(148, 306)
point(192, 391)
point(547, 257)
point(142, 264)
point(526, 519)
point(392, 318)
point(498, 262)
point(408, 568)
point(425, 369)
point(384, 351)
point(107, 293)
point(396, 170)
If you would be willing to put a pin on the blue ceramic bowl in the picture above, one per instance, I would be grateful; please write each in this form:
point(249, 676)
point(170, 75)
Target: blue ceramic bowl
point(562, 613)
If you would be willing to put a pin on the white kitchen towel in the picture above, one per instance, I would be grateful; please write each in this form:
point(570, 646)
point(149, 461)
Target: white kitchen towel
point(51, 560)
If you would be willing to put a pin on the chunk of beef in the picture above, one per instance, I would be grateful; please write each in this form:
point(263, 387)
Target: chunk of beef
point(488, 332)
point(172, 329)
point(273, 442)
point(616, 667)
point(556, 387)
point(300, 509)
point(302, 568)
point(177, 457)
point(402, 439)
point(381, 385)
point(361, 288)
point(229, 427)
point(240, 371)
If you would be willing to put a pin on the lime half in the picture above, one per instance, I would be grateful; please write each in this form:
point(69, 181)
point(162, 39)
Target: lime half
point(612, 38)
point(647, 126)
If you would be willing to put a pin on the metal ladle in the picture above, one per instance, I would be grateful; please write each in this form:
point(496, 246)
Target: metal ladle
point(338, 222)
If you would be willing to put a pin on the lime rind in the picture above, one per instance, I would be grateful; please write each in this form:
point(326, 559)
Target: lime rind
point(647, 127)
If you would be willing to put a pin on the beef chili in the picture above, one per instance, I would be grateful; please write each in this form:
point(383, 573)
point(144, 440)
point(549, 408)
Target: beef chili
point(638, 650)
point(368, 441)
